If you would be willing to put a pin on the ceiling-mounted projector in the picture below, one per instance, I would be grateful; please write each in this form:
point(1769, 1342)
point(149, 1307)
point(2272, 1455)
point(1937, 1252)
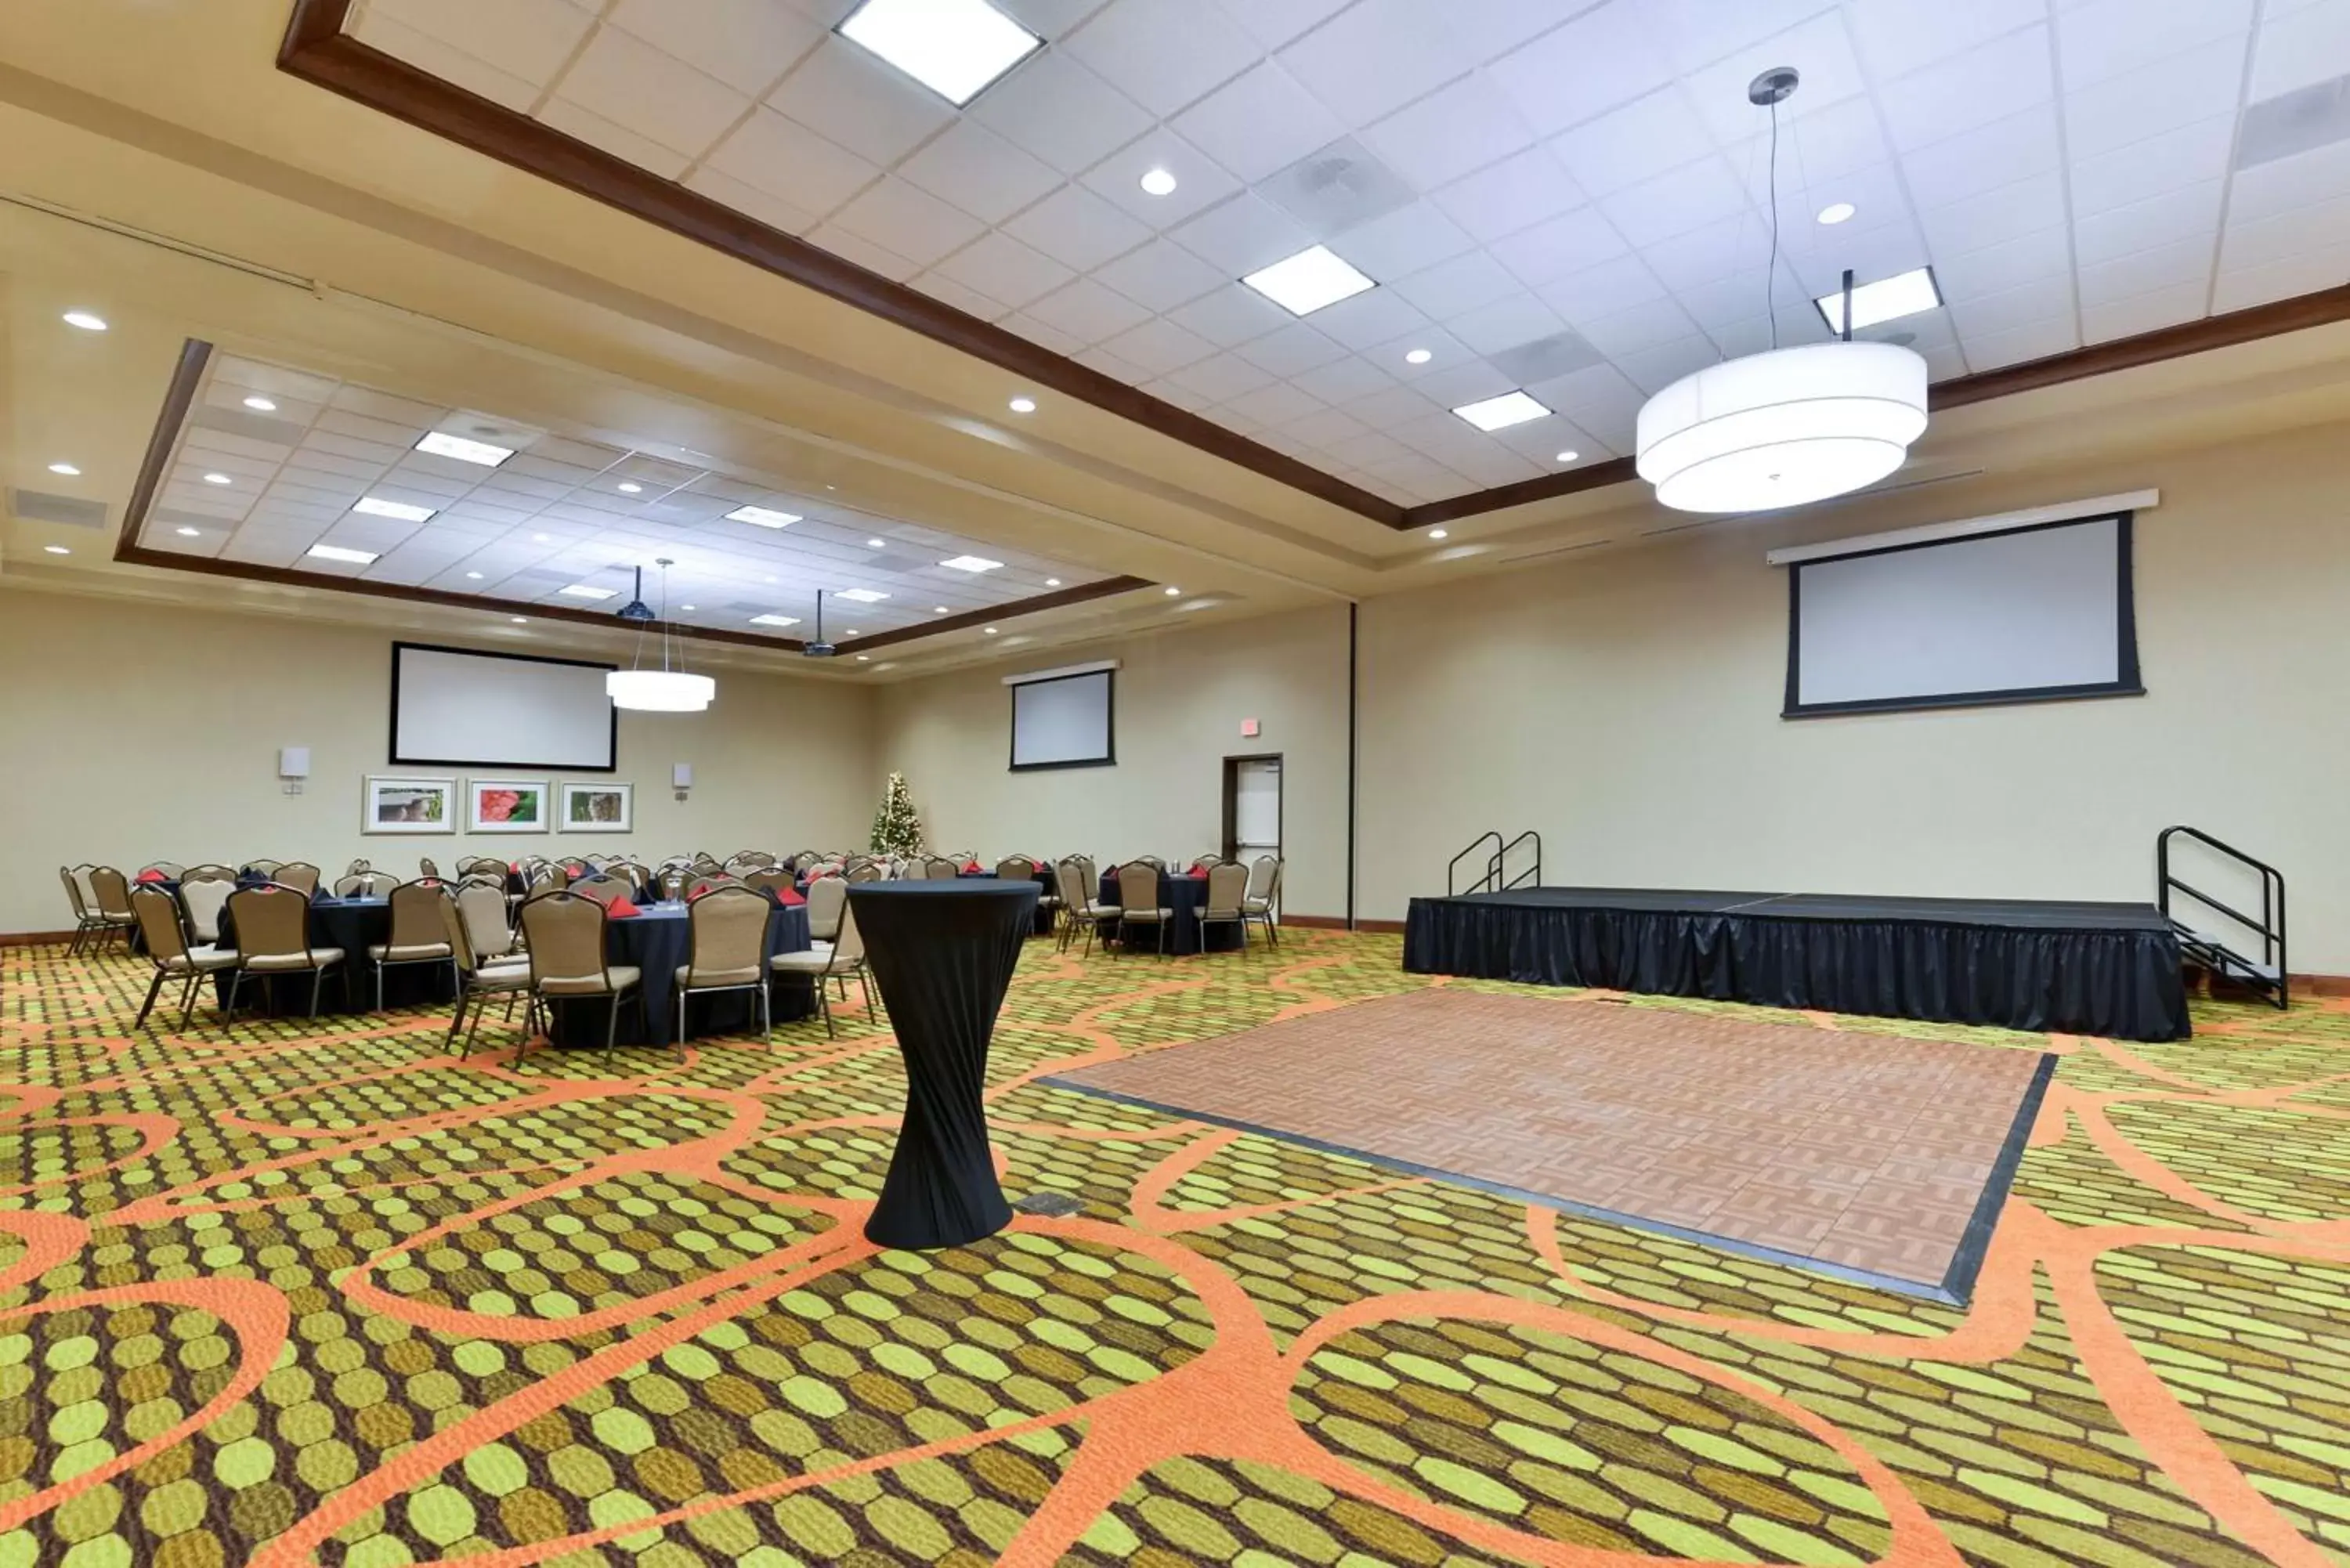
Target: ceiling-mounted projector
point(816, 646)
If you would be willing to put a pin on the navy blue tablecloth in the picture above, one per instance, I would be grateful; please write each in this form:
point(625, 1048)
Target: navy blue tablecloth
point(353, 925)
point(657, 942)
point(1186, 896)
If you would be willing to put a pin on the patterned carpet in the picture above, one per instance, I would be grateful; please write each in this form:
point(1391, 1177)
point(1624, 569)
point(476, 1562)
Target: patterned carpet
point(323, 1294)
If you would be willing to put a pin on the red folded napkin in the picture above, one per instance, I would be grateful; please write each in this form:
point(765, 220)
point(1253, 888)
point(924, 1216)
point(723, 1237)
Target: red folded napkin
point(575, 870)
point(1197, 874)
point(970, 865)
point(620, 909)
point(151, 876)
point(514, 867)
point(786, 898)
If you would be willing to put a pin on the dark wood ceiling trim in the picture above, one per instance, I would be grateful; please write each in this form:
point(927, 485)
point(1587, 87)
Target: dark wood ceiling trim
point(1082, 594)
point(316, 49)
point(178, 398)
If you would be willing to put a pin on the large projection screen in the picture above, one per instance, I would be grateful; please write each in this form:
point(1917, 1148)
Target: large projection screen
point(453, 708)
point(2022, 615)
point(1065, 722)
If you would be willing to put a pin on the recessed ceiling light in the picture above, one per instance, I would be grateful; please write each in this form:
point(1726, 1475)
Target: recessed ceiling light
point(87, 321)
point(1157, 182)
point(520, 621)
point(1836, 212)
point(773, 579)
point(954, 48)
point(764, 517)
point(1024, 405)
point(474, 576)
point(971, 564)
point(774, 620)
point(1052, 582)
point(261, 405)
point(399, 511)
point(861, 595)
point(631, 487)
point(1886, 300)
point(218, 479)
point(189, 532)
point(685, 607)
point(1417, 356)
point(56, 549)
point(990, 630)
point(1437, 533)
point(1305, 283)
point(1173, 592)
point(338, 553)
point(582, 591)
point(542, 538)
point(877, 544)
point(1502, 412)
point(439, 444)
point(69, 470)
point(863, 657)
point(848, 631)
point(938, 609)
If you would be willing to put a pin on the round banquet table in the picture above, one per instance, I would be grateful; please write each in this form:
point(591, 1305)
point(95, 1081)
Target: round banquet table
point(353, 925)
point(1186, 896)
point(656, 939)
point(943, 953)
point(1042, 925)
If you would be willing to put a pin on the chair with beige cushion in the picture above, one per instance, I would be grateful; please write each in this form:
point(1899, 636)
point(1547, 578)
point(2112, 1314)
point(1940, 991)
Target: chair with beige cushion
point(871, 871)
point(427, 867)
point(420, 933)
point(202, 900)
point(565, 934)
point(1138, 905)
point(272, 937)
point(360, 884)
point(939, 868)
point(1208, 861)
point(1080, 908)
point(263, 868)
point(478, 980)
point(487, 923)
point(298, 874)
point(88, 926)
point(727, 929)
point(112, 890)
point(211, 869)
point(771, 879)
point(826, 898)
point(844, 958)
point(169, 869)
point(1259, 903)
point(605, 889)
point(168, 949)
point(1227, 887)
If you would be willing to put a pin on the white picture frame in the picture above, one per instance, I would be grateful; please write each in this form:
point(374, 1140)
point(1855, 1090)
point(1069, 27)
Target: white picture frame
point(508, 805)
point(406, 805)
point(597, 808)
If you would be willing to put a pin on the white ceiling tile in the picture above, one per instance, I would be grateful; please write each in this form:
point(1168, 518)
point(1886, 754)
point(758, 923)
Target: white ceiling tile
point(1181, 397)
point(1461, 284)
point(1982, 87)
point(747, 44)
point(1243, 235)
point(1879, 252)
point(1370, 318)
point(1461, 127)
point(2122, 109)
point(1076, 228)
point(2267, 190)
point(850, 97)
point(2324, 227)
point(1984, 158)
point(1816, 149)
point(1326, 427)
point(1164, 54)
point(1645, 137)
point(2105, 38)
point(850, 245)
point(1690, 197)
point(1699, 32)
point(1571, 243)
point(1048, 19)
point(1444, 351)
point(563, 115)
point(1714, 251)
point(979, 171)
point(2192, 211)
point(1160, 275)
point(448, 62)
point(1589, 395)
point(1997, 268)
point(1200, 181)
point(1638, 330)
point(2040, 300)
point(2182, 263)
point(1380, 54)
point(1602, 290)
point(1896, 37)
point(2305, 274)
point(1231, 316)
point(2299, 50)
point(1729, 301)
point(2186, 155)
point(1260, 122)
point(1654, 370)
point(969, 301)
point(1344, 380)
point(1608, 55)
point(1274, 23)
point(1505, 324)
point(749, 200)
point(1819, 48)
point(1159, 346)
point(1471, 383)
point(1116, 367)
point(907, 221)
point(1275, 404)
point(1055, 109)
point(1001, 267)
point(529, 38)
point(1042, 333)
point(1221, 377)
point(787, 159)
point(2014, 347)
point(1370, 447)
point(1087, 310)
point(2143, 313)
point(1292, 352)
point(1513, 194)
point(1398, 243)
point(2025, 207)
point(1393, 408)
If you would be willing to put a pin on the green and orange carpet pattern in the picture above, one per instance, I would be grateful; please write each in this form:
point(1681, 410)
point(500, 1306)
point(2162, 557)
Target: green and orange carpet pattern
point(290, 1293)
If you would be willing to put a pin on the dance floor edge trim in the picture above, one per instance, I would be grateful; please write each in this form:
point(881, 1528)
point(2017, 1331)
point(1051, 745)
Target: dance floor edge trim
point(1957, 1288)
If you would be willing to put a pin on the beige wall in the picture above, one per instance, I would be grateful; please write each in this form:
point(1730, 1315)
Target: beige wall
point(129, 737)
point(1181, 697)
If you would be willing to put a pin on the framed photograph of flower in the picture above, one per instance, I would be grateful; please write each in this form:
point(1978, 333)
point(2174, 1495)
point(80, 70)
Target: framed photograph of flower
point(506, 806)
point(405, 805)
point(597, 807)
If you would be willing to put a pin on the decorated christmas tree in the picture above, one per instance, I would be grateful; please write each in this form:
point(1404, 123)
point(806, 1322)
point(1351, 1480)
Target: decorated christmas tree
point(896, 829)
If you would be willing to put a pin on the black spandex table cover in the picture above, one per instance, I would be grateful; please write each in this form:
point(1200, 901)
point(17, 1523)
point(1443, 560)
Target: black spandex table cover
point(943, 953)
point(656, 939)
point(1186, 896)
point(2106, 970)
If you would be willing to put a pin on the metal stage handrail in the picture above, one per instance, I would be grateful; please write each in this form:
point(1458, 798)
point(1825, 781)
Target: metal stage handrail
point(1532, 876)
point(1495, 880)
point(2271, 925)
point(1484, 884)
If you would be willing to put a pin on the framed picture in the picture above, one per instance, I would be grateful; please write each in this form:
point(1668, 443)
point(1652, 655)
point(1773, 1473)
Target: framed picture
point(506, 806)
point(597, 807)
point(400, 803)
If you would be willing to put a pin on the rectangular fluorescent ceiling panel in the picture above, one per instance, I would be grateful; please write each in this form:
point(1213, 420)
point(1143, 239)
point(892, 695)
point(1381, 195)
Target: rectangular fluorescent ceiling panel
point(774, 620)
point(441, 444)
point(1500, 413)
point(954, 48)
point(764, 517)
point(862, 596)
point(971, 564)
point(1309, 280)
point(336, 553)
point(399, 509)
point(1886, 300)
point(582, 591)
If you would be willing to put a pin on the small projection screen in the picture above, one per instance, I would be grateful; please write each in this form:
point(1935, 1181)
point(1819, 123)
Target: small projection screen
point(2022, 615)
point(1063, 721)
point(454, 708)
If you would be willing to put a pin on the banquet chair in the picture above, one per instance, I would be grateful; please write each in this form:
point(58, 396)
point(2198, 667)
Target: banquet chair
point(298, 874)
point(1138, 905)
point(87, 923)
point(1257, 902)
point(480, 978)
point(826, 898)
point(706, 880)
point(359, 866)
point(844, 958)
point(171, 869)
point(419, 934)
point(471, 864)
point(113, 902)
point(639, 879)
point(487, 922)
point(727, 951)
point(210, 870)
point(264, 867)
point(566, 932)
point(673, 881)
point(202, 900)
point(605, 889)
point(1080, 907)
point(1152, 861)
point(359, 884)
point(1208, 861)
point(1227, 888)
point(871, 871)
point(272, 937)
point(425, 867)
point(939, 868)
point(771, 879)
point(167, 946)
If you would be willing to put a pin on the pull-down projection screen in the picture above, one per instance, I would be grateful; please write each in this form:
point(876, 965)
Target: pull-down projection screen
point(452, 708)
point(1063, 720)
point(2018, 615)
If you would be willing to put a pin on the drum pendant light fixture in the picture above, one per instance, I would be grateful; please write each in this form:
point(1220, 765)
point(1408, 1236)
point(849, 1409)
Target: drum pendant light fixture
point(662, 691)
point(1790, 425)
